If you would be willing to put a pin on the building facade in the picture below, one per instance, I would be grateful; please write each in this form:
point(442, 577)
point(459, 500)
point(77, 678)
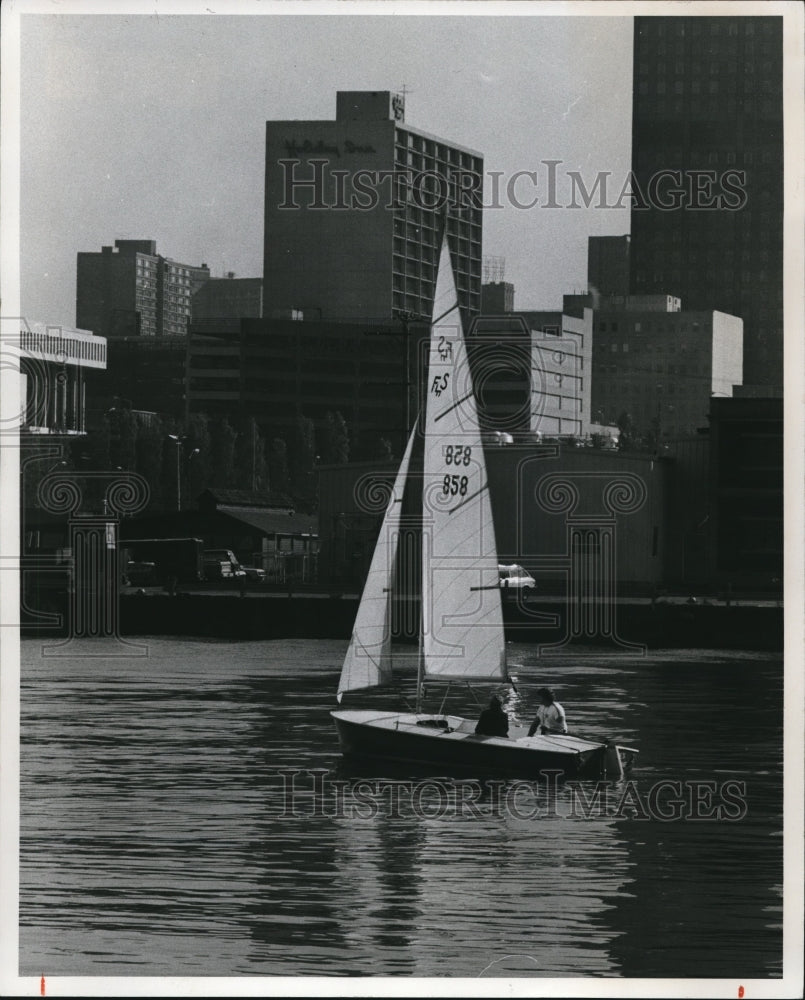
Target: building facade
point(707, 159)
point(662, 366)
point(54, 364)
point(132, 291)
point(747, 452)
point(145, 373)
point(219, 298)
point(497, 297)
point(531, 372)
point(275, 370)
point(608, 264)
point(529, 528)
point(355, 211)
point(561, 371)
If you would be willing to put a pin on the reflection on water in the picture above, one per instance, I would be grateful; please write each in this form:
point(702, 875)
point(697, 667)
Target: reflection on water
point(157, 837)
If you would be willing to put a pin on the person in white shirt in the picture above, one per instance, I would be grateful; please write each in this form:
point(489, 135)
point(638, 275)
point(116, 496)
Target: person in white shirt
point(550, 719)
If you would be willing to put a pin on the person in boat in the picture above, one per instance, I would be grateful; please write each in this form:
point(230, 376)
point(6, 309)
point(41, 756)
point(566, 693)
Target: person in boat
point(550, 719)
point(493, 721)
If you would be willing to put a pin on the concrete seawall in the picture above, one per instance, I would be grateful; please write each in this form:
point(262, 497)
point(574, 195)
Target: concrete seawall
point(261, 615)
point(743, 626)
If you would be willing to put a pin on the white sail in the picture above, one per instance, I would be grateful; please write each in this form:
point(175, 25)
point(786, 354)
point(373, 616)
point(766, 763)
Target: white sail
point(461, 609)
point(368, 660)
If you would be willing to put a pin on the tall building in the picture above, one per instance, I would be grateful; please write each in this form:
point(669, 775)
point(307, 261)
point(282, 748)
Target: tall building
point(219, 298)
point(355, 210)
point(531, 372)
point(146, 373)
point(662, 365)
point(608, 262)
point(561, 371)
point(132, 291)
point(707, 159)
point(497, 297)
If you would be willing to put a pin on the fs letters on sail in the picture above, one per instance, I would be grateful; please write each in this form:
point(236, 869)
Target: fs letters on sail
point(461, 608)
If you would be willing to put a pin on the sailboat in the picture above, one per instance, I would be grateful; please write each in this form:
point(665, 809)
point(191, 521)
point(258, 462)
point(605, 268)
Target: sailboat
point(461, 638)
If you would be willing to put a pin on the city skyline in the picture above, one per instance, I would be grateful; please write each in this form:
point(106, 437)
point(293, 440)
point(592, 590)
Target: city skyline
point(164, 134)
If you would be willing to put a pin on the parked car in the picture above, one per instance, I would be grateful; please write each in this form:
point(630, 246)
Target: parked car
point(254, 573)
point(222, 564)
point(514, 577)
point(140, 574)
point(179, 559)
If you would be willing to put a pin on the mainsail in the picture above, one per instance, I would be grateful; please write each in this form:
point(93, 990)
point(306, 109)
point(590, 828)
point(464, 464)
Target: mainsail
point(368, 660)
point(461, 610)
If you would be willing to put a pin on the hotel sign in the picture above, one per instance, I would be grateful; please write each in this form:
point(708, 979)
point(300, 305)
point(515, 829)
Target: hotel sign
point(310, 147)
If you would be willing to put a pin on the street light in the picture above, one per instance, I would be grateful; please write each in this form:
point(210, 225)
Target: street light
point(178, 441)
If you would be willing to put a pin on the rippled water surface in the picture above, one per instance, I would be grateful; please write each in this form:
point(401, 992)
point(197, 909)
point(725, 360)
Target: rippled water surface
point(156, 840)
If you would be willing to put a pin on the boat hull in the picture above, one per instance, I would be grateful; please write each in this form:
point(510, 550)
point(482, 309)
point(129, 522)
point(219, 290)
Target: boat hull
point(424, 740)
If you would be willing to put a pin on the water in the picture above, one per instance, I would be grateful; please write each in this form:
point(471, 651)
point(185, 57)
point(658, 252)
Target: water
point(153, 840)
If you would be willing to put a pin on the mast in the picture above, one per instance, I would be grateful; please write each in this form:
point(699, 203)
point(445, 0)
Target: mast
point(419, 674)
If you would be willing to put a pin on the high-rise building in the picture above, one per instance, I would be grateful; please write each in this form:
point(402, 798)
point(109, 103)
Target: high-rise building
point(497, 297)
point(132, 291)
point(662, 365)
point(220, 298)
point(707, 159)
point(608, 264)
point(531, 372)
point(355, 211)
point(561, 370)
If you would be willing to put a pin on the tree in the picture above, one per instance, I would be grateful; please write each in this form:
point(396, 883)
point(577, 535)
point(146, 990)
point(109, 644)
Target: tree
point(334, 439)
point(92, 451)
point(149, 447)
point(628, 439)
point(303, 462)
point(196, 456)
point(122, 437)
point(278, 474)
point(222, 452)
point(374, 448)
point(251, 468)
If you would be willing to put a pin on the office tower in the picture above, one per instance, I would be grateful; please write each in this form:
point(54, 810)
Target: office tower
point(355, 210)
point(132, 291)
point(497, 297)
point(662, 365)
point(707, 159)
point(220, 298)
point(608, 264)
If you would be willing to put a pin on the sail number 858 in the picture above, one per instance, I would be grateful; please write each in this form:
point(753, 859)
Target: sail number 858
point(453, 485)
point(457, 454)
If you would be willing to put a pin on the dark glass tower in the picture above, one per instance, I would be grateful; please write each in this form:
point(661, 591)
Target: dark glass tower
point(708, 103)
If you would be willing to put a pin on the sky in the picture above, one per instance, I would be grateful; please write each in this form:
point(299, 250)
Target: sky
point(148, 126)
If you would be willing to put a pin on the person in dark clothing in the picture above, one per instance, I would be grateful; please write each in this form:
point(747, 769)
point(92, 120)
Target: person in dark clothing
point(493, 720)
